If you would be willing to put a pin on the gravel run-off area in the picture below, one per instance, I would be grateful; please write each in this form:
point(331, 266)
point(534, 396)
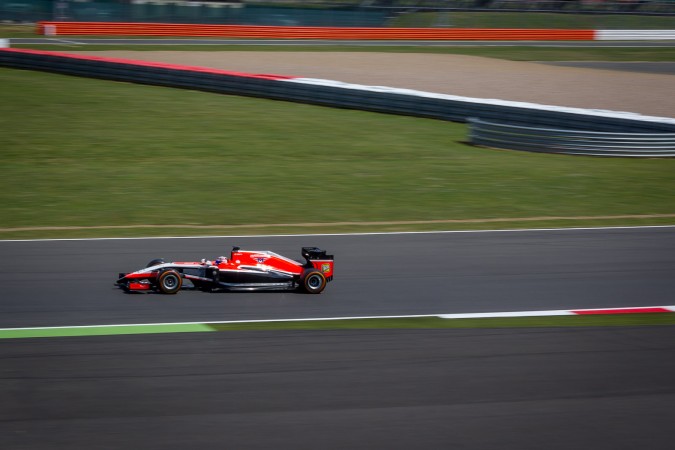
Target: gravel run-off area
point(470, 76)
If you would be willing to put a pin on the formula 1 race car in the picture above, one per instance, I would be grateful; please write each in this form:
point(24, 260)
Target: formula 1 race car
point(245, 270)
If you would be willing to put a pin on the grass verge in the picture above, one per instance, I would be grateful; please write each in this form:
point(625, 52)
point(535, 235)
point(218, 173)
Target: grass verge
point(619, 320)
point(290, 229)
point(566, 20)
point(438, 323)
point(83, 152)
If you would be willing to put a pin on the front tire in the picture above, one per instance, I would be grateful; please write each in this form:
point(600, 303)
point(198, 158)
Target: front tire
point(314, 282)
point(155, 262)
point(169, 282)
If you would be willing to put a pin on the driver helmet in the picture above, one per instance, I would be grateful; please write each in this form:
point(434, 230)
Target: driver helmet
point(221, 260)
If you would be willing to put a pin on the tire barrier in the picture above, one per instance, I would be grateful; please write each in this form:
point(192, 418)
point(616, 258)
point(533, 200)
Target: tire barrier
point(286, 32)
point(571, 142)
point(334, 93)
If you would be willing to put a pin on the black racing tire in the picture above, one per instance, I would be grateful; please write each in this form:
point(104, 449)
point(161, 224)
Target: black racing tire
point(313, 282)
point(169, 282)
point(155, 262)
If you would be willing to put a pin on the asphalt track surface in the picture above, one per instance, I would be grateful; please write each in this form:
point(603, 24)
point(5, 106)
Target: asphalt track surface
point(513, 389)
point(61, 283)
point(590, 388)
point(666, 68)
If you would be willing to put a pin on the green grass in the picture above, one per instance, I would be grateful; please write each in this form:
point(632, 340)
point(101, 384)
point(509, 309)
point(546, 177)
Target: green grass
point(18, 31)
point(438, 323)
point(85, 152)
point(465, 19)
point(313, 228)
point(620, 320)
point(457, 19)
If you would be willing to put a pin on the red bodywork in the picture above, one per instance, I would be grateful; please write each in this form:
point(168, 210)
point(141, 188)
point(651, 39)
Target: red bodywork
point(242, 270)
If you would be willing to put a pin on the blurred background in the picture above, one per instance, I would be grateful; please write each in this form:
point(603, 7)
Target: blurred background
point(354, 13)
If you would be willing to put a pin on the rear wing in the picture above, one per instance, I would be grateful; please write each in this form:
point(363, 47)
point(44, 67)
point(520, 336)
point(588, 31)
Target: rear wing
point(318, 259)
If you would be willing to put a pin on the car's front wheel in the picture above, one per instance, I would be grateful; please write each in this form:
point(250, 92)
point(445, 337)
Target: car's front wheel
point(155, 262)
point(169, 282)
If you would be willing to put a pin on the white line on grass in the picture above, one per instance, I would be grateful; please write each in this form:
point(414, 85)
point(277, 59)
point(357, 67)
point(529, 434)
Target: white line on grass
point(345, 234)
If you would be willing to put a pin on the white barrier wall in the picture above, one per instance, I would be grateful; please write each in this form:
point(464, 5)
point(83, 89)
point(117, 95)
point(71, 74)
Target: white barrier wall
point(505, 105)
point(634, 35)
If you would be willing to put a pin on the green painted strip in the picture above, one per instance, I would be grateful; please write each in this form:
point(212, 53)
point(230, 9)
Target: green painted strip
point(420, 322)
point(21, 333)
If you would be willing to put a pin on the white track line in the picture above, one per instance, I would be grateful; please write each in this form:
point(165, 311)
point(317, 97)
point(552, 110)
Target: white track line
point(556, 312)
point(515, 230)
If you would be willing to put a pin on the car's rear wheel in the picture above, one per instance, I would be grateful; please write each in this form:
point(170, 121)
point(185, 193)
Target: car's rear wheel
point(169, 282)
point(313, 282)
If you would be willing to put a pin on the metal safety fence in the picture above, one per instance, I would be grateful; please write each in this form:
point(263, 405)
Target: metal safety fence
point(571, 142)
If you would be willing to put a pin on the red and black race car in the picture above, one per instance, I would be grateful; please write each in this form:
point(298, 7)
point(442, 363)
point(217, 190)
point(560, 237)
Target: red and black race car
point(244, 270)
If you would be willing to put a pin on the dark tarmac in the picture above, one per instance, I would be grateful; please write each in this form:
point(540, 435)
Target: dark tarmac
point(513, 389)
point(660, 67)
point(64, 283)
point(582, 388)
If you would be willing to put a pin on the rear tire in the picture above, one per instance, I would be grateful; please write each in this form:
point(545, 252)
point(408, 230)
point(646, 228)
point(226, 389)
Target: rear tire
point(169, 282)
point(314, 282)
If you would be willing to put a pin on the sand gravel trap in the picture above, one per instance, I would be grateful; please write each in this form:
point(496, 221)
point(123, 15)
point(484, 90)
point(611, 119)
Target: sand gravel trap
point(471, 76)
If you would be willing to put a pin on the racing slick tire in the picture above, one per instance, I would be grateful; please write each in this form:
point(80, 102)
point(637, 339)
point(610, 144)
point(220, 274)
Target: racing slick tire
point(313, 282)
point(169, 282)
point(155, 262)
